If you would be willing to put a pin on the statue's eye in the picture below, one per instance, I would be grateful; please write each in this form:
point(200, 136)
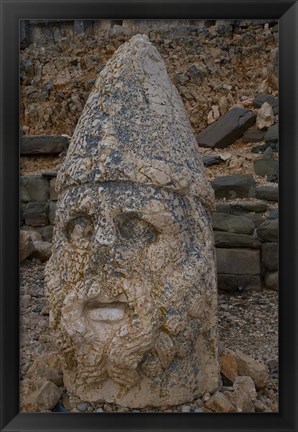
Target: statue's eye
point(132, 227)
point(79, 228)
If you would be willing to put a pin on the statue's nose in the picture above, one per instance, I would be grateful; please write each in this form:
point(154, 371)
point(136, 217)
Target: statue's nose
point(106, 234)
point(106, 250)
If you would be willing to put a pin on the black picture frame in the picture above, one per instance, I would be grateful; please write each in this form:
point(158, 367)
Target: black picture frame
point(286, 11)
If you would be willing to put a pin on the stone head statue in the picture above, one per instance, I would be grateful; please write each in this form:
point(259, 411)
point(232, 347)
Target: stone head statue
point(132, 282)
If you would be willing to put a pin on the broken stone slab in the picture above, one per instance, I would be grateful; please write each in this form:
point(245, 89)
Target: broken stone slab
point(266, 167)
point(227, 129)
point(34, 188)
point(270, 256)
point(238, 261)
point(268, 193)
point(253, 135)
point(220, 403)
point(273, 101)
point(232, 224)
point(235, 240)
point(268, 230)
point(43, 144)
point(272, 280)
point(234, 186)
point(238, 283)
point(248, 366)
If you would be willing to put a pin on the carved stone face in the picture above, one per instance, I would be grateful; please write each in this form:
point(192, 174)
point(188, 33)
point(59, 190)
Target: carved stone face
point(131, 288)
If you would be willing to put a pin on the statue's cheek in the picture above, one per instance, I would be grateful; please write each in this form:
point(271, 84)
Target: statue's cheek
point(73, 263)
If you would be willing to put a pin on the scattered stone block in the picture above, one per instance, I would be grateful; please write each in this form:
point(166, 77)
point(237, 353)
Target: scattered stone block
point(265, 117)
point(237, 283)
point(26, 245)
point(261, 98)
point(227, 129)
point(220, 403)
point(46, 232)
point(36, 214)
point(268, 193)
point(253, 135)
point(42, 250)
point(43, 144)
point(270, 256)
point(45, 373)
point(34, 188)
point(232, 224)
point(272, 134)
point(234, 186)
point(244, 394)
point(248, 366)
point(268, 230)
point(272, 281)
point(230, 240)
point(228, 367)
point(44, 398)
point(266, 167)
point(211, 160)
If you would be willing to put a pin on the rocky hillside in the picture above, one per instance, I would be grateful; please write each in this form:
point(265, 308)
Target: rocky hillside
point(215, 66)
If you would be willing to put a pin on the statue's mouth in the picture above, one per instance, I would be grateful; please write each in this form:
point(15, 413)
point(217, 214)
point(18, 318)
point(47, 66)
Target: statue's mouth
point(106, 311)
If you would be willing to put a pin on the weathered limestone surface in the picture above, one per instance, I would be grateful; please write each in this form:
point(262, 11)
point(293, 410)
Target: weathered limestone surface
point(131, 281)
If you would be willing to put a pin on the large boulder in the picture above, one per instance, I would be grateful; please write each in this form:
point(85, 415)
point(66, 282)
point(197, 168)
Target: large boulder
point(227, 129)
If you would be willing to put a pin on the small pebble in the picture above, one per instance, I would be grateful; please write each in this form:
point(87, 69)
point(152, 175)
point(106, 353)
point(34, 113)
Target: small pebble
point(83, 406)
point(198, 410)
point(99, 410)
point(185, 408)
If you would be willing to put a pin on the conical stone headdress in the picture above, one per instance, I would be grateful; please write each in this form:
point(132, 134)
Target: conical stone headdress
point(134, 128)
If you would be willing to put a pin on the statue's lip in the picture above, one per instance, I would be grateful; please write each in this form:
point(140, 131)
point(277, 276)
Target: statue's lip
point(106, 311)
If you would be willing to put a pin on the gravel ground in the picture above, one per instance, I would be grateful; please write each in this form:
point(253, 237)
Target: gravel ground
point(248, 322)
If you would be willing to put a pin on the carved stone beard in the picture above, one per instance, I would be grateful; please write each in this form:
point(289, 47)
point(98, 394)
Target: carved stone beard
point(107, 349)
point(144, 343)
